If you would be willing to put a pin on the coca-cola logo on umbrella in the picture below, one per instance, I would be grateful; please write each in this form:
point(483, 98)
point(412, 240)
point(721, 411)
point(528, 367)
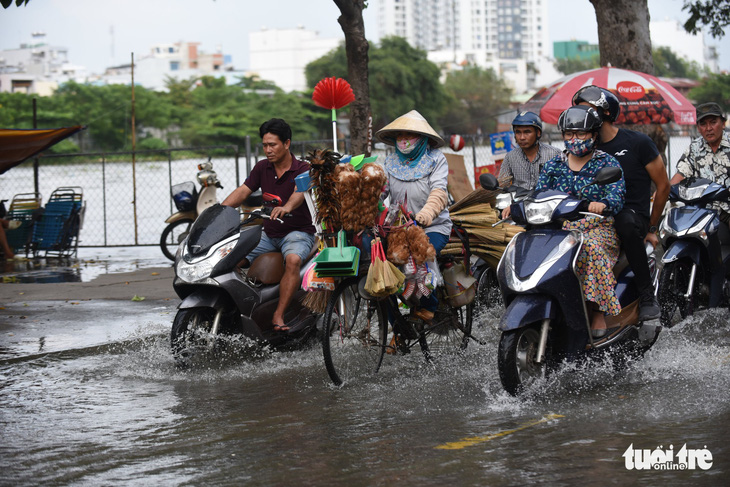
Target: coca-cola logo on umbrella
point(630, 90)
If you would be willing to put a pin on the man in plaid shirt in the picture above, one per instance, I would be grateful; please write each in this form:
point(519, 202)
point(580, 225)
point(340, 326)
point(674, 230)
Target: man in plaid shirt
point(522, 166)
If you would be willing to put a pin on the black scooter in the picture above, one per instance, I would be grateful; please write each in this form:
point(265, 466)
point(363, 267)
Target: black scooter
point(696, 243)
point(220, 297)
point(546, 320)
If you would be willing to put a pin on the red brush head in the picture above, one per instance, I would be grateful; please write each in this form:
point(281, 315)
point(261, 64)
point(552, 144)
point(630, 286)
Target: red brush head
point(333, 93)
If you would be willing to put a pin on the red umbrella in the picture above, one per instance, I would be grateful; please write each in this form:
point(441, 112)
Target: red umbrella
point(644, 98)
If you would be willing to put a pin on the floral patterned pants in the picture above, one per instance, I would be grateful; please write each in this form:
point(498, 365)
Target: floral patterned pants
point(595, 262)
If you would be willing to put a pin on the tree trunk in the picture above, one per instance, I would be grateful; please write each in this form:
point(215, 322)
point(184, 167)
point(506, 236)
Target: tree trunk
point(356, 47)
point(623, 34)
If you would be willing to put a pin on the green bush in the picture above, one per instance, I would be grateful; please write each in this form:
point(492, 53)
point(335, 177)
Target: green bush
point(152, 143)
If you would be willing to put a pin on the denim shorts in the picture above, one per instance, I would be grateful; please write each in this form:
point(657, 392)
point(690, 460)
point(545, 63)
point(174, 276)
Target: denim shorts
point(299, 243)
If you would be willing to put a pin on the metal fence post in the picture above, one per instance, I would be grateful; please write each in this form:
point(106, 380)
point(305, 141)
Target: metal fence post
point(103, 192)
point(473, 154)
point(169, 176)
point(248, 159)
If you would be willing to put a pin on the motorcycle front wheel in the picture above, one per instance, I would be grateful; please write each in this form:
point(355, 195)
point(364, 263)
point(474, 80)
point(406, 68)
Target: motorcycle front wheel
point(193, 335)
point(673, 285)
point(172, 235)
point(517, 356)
point(355, 332)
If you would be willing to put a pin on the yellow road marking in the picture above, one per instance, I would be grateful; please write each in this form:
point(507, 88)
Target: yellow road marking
point(465, 442)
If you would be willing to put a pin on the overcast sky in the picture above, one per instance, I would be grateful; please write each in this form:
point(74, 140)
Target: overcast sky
point(102, 33)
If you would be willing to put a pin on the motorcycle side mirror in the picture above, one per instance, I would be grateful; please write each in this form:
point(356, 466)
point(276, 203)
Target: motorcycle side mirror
point(488, 181)
point(607, 175)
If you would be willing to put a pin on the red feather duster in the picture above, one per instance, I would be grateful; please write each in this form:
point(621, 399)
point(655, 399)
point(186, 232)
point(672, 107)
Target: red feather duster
point(333, 93)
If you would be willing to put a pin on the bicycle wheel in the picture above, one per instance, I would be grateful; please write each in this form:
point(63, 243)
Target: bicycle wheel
point(354, 337)
point(449, 331)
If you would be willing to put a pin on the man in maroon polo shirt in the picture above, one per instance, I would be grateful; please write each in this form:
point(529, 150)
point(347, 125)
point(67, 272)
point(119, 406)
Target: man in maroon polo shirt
point(294, 237)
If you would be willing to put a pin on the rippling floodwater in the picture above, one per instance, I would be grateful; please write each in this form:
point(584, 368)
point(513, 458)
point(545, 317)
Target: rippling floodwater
point(112, 409)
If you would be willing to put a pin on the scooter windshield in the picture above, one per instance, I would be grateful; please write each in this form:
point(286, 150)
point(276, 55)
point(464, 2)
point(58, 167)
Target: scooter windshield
point(213, 225)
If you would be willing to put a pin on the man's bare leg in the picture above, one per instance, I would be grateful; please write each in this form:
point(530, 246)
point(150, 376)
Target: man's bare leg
point(287, 287)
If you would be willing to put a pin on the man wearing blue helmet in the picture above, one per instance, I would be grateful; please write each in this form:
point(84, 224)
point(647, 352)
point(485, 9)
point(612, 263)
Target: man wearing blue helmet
point(522, 165)
point(642, 164)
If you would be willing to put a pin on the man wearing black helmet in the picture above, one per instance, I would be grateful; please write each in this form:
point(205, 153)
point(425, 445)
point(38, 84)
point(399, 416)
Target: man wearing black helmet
point(522, 165)
point(641, 162)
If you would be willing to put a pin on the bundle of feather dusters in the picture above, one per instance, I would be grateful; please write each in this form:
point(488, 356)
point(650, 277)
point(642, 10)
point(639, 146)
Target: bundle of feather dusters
point(348, 191)
point(407, 241)
point(323, 163)
point(359, 194)
point(373, 179)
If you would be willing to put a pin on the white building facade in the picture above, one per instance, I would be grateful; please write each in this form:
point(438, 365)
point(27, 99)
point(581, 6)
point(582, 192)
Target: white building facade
point(509, 36)
point(280, 55)
point(37, 68)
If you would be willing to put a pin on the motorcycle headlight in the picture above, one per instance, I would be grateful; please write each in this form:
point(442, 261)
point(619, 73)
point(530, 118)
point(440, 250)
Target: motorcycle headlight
point(692, 193)
point(200, 269)
point(665, 231)
point(539, 212)
point(699, 227)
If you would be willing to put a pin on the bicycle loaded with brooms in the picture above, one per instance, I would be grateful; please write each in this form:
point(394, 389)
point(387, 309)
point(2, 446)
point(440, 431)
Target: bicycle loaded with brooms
point(374, 267)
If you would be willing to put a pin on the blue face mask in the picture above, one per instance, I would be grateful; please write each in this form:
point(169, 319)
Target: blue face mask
point(580, 147)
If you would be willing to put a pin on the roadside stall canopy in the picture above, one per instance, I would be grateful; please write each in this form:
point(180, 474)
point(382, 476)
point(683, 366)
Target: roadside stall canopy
point(18, 145)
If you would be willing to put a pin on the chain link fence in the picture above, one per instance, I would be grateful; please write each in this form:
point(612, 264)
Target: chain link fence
point(127, 195)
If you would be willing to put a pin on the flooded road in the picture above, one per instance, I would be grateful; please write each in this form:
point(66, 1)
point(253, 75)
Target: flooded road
point(98, 401)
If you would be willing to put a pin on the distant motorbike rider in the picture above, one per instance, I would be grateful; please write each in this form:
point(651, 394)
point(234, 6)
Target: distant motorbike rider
point(641, 162)
point(293, 237)
point(708, 156)
point(521, 166)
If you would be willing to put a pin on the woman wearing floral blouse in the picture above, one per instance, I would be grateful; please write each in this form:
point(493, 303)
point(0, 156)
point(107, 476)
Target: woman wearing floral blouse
point(571, 172)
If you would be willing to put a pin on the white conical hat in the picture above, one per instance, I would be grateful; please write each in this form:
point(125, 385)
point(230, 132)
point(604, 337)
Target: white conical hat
point(410, 122)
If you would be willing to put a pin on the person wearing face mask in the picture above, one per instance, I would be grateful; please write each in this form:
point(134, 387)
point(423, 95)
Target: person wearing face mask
point(417, 175)
point(640, 160)
point(570, 172)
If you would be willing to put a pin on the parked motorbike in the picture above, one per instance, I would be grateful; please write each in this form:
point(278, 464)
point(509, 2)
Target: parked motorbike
point(190, 203)
point(221, 298)
point(546, 320)
point(695, 243)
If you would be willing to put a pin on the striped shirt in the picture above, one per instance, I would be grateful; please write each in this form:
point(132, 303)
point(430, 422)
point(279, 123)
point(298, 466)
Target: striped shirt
point(523, 173)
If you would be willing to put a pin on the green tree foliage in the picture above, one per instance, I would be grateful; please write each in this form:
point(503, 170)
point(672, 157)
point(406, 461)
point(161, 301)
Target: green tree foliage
point(7, 3)
point(712, 13)
point(223, 114)
point(401, 79)
point(716, 88)
point(197, 111)
point(668, 64)
point(570, 66)
point(477, 96)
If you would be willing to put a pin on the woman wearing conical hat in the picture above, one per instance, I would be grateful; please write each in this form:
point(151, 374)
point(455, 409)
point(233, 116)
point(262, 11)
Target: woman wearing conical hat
point(417, 174)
